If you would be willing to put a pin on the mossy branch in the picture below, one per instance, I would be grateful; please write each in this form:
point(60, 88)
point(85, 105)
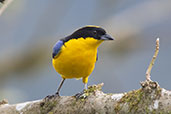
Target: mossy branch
point(150, 99)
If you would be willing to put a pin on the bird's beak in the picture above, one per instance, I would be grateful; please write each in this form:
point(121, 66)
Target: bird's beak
point(106, 37)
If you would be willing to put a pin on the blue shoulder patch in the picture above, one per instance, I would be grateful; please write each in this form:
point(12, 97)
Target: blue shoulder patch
point(57, 48)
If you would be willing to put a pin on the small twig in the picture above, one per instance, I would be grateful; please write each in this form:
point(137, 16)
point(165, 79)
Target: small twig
point(148, 72)
point(5, 5)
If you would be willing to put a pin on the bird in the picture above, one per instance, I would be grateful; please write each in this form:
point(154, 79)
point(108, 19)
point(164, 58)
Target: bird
point(74, 56)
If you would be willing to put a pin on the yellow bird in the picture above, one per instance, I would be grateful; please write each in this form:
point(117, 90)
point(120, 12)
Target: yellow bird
point(75, 55)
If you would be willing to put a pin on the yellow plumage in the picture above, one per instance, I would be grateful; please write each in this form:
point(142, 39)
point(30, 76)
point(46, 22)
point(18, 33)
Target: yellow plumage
point(77, 58)
point(75, 55)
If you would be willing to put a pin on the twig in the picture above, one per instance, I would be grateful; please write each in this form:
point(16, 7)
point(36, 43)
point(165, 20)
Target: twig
point(5, 5)
point(148, 72)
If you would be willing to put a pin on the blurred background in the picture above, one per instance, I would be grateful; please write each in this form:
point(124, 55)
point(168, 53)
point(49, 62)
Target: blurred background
point(30, 28)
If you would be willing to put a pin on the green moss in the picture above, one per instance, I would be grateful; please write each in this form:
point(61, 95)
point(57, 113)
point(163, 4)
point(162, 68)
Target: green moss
point(161, 112)
point(74, 103)
point(138, 101)
point(118, 107)
point(87, 92)
point(93, 88)
point(133, 98)
point(158, 92)
point(47, 106)
point(50, 112)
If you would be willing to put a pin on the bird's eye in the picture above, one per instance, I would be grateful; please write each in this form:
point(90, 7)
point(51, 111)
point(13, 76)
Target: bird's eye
point(94, 32)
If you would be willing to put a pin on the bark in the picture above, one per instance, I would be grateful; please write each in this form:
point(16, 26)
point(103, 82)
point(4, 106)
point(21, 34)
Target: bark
point(146, 100)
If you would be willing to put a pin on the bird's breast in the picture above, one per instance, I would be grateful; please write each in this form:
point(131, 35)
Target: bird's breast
point(77, 59)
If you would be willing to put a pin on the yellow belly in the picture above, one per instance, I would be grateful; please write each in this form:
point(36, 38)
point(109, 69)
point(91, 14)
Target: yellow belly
point(77, 58)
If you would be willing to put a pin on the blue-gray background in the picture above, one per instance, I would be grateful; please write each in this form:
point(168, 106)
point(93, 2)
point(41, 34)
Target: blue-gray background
point(30, 28)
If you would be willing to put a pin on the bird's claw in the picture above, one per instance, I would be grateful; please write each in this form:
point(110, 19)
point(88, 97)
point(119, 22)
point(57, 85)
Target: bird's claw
point(81, 95)
point(52, 96)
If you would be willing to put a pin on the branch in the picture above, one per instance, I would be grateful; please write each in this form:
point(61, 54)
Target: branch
point(148, 72)
point(5, 5)
point(150, 98)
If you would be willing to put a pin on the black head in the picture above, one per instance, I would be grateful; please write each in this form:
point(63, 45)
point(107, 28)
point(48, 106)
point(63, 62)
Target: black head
point(89, 31)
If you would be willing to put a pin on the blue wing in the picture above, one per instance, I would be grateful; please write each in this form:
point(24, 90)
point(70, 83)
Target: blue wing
point(97, 56)
point(57, 48)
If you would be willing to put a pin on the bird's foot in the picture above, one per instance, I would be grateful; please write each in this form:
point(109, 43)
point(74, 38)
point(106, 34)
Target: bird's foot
point(81, 95)
point(52, 96)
